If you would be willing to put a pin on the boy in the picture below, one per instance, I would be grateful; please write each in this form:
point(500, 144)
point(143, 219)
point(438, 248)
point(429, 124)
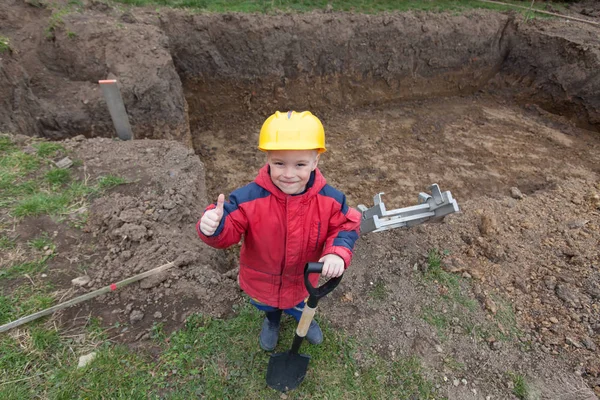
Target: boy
point(288, 216)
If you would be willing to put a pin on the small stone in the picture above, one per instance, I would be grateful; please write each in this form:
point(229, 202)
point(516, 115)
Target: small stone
point(577, 224)
point(589, 343)
point(554, 320)
point(135, 316)
point(455, 382)
point(573, 342)
point(81, 281)
point(438, 348)
point(496, 345)
point(64, 163)
point(157, 314)
point(356, 374)
point(490, 305)
point(86, 359)
point(347, 297)
point(464, 381)
point(44, 276)
point(515, 193)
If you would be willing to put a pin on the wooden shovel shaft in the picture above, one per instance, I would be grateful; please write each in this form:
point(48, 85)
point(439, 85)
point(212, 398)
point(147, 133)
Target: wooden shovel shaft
point(87, 296)
point(307, 316)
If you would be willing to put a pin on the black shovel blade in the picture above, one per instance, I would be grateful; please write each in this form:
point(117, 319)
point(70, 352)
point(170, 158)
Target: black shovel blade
point(287, 370)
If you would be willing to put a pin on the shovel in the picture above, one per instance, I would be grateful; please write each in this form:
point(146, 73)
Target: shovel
point(287, 370)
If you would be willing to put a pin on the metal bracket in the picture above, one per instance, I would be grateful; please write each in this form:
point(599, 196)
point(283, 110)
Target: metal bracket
point(434, 206)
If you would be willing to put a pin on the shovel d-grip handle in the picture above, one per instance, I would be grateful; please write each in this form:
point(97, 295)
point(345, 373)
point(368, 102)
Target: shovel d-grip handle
point(315, 294)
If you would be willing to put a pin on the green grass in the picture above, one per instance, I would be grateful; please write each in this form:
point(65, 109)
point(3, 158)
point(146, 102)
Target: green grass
point(18, 163)
point(454, 307)
point(4, 48)
point(30, 185)
point(41, 203)
point(7, 243)
point(41, 242)
point(378, 291)
point(18, 270)
point(24, 300)
point(207, 358)
point(266, 6)
point(522, 389)
point(48, 149)
point(110, 181)
point(58, 176)
point(452, 283)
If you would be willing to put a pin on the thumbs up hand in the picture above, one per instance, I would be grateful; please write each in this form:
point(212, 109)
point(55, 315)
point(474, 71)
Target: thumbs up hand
point(212, 218)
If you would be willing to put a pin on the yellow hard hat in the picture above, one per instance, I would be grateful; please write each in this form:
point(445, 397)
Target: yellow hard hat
point(292, 131)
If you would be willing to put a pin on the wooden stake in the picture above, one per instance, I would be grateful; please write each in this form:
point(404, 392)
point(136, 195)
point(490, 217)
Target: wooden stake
point(543, 12)
point(87, 296)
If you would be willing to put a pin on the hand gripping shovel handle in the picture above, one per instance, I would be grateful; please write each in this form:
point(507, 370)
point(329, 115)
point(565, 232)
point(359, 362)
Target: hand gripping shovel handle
point(315, 294)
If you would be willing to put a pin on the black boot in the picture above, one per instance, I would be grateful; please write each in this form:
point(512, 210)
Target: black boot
point(314, 334)
point(270, 330)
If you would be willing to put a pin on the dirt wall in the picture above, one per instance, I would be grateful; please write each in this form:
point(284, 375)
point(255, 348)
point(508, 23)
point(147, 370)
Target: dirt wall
point(236, 63)
point(556, 65)
point(67, 50)
point(249, 64)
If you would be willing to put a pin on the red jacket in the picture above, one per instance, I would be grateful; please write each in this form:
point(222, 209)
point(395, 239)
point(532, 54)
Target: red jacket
point(282, 233)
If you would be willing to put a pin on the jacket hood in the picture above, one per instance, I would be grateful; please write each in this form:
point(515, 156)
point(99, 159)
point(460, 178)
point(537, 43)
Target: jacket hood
point(314, 186)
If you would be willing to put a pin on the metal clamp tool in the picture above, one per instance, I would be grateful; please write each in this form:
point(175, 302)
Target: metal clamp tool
point(430, 207)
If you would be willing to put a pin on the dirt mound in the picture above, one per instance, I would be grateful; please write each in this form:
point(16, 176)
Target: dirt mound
point(149, 222)
point(537, 253)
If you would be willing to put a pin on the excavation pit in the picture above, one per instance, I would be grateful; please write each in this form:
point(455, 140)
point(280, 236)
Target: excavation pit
point(502, 112)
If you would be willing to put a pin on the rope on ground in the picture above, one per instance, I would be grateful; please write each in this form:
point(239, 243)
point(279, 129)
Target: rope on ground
point(543, 12)
point(110, 288)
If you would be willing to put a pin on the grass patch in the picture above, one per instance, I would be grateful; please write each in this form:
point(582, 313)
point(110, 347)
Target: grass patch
point(30, 185)
point(41, 242)
point(18, 270)
point(451, 284)
point(25, 300)
point(268, 6)
point(4, 47)
point(6, 144)
point(522, 389)
point(18, 163)
point(110, 181)
point(7, 243)
point(207, 358)
point(506, 319)
point(454, 309)
point(378, 291)
point(41, 203)
point(58, 176)
point(48, 149)
point(438, 320)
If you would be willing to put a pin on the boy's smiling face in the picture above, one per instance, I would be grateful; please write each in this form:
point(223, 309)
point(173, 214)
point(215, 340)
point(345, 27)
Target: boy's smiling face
point(290, 169)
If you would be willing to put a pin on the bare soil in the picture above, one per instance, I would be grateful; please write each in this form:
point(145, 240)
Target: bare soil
point(505, 114)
